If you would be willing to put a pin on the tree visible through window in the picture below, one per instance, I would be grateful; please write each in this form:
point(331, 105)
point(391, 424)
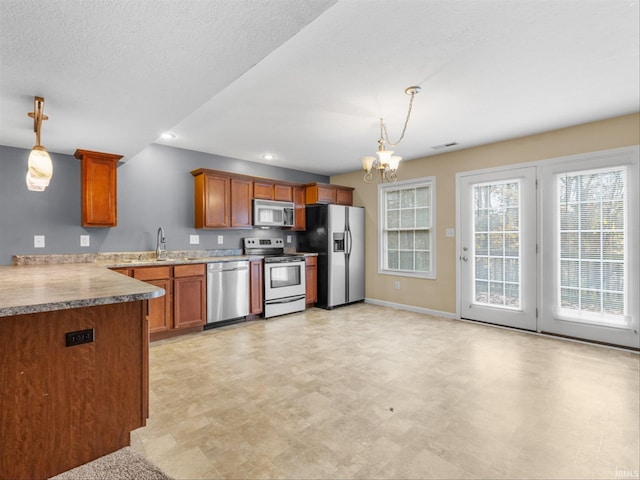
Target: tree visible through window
point(591, 241)
point(406, 217)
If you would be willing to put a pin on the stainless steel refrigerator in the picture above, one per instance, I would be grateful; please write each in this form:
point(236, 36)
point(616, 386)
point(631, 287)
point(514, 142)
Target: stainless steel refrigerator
point(336, 232)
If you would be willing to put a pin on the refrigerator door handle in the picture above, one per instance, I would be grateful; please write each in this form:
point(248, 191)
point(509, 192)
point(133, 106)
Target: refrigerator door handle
point(350, 241)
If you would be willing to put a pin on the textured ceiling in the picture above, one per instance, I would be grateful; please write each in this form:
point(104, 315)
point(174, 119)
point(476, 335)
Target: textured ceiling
point(309, 80)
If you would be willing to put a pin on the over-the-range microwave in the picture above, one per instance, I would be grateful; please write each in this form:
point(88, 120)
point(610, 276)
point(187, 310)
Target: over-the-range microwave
point(270, 213)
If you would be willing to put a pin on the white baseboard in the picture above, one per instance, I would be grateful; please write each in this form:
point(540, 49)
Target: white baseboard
point(411, 308)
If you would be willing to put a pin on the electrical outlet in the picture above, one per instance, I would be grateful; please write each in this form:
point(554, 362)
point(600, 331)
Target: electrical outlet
point(397, 286)
point(288, 238)
point(85, 240)
point(220, 239)
point(194, 239)
point(79, 337)
point(38, 241)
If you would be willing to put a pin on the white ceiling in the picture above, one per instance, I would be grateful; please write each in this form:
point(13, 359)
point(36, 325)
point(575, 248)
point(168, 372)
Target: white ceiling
point(309, 80)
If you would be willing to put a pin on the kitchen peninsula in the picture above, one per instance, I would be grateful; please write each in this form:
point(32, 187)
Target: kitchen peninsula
point(74, 357)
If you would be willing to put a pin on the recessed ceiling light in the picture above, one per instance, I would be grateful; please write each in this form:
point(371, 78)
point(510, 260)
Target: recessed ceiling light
point(167, 136)
point(268, 156)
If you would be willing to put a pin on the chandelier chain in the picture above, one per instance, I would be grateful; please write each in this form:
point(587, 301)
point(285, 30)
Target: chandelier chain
point(383, 128)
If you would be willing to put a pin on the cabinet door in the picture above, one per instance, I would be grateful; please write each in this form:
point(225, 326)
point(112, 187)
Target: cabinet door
point(344, 196)
point(240, 202)
point(311, 278)
point(326, 194)
point(99, 189)
point(212, 201)
point(160, 310)
point(283, 193)
point(256, 287)
point(189, 294)
point(300, 218)
point(263, 190)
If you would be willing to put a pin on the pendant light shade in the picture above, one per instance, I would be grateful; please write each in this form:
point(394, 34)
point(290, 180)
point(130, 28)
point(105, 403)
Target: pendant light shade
point(40, 168)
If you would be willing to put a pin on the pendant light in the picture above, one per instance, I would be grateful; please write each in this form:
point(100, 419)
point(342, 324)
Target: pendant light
point(40, 169)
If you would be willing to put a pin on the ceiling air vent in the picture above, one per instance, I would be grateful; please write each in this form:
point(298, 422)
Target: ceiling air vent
point(444, 145)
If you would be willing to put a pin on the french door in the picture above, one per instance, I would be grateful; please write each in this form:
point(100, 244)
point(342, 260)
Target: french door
point(566, 262)
point(590, 239)
point(497, 267)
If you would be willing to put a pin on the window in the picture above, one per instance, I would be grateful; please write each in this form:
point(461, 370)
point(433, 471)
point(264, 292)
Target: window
point(406, 218)
point(591, 245)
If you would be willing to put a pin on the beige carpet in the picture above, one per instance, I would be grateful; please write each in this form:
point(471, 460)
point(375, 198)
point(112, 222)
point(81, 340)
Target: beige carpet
point(124, 464)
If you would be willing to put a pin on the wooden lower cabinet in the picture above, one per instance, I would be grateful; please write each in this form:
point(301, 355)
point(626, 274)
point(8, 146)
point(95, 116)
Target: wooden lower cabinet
point(189, 296)
point(183, 308)
point(311, 279)
point(63, 406)
point(256, 287)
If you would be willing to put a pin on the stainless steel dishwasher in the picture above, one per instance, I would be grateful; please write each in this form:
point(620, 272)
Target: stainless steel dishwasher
point(227, 291)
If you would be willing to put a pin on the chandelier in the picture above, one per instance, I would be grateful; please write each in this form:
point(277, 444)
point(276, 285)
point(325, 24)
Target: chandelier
point(40, 169)
point(386, 163)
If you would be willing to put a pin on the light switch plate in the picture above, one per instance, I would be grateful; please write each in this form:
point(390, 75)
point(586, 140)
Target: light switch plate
point(288, 238)
point(450, 232)
point(194, 239)
point(85, 240)
point(38, 241)
point(220, 239)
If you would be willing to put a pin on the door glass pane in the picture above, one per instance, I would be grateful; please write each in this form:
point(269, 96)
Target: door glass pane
point(497, 244)
point(591, 236)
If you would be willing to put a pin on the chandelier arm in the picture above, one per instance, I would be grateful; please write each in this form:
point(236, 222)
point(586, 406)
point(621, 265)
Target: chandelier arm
point(383, 127)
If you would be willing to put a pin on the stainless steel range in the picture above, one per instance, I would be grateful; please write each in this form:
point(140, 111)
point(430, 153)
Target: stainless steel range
point(284, 276)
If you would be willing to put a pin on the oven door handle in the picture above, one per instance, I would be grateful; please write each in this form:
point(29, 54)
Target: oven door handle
point(286, 300)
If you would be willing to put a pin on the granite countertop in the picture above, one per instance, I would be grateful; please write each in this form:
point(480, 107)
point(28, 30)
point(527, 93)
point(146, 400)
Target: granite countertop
point(152, 262)
point(42, 288)
point(41, 283)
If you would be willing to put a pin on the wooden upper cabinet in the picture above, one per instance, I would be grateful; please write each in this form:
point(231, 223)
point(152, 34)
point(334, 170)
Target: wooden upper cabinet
point(300, 217)
point(344, 196)
point(325, 193)
point(263, 189)
point(99, 188)
point(240, 202)
point(225, 200)
point(212, 200)
point(283, 193)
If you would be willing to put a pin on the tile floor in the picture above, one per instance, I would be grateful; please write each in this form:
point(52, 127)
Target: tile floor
point(369, 392)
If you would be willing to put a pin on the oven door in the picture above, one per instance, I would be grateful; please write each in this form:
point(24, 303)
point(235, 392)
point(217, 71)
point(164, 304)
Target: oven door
point(284, 279)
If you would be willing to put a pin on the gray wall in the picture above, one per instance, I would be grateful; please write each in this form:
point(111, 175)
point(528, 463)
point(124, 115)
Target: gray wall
point(155, 188)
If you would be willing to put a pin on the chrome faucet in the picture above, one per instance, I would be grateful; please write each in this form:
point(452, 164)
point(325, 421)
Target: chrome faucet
point(161, 247)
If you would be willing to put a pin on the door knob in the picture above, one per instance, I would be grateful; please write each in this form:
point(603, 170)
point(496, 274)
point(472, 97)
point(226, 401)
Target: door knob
point(465, 258)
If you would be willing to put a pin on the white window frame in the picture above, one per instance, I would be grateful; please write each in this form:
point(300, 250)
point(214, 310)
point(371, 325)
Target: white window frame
point(382, 215)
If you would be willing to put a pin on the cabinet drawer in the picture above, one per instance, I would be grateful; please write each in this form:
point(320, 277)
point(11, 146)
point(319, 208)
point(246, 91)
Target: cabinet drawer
point(311, 260)
point(192, 270)
point(151, 273)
